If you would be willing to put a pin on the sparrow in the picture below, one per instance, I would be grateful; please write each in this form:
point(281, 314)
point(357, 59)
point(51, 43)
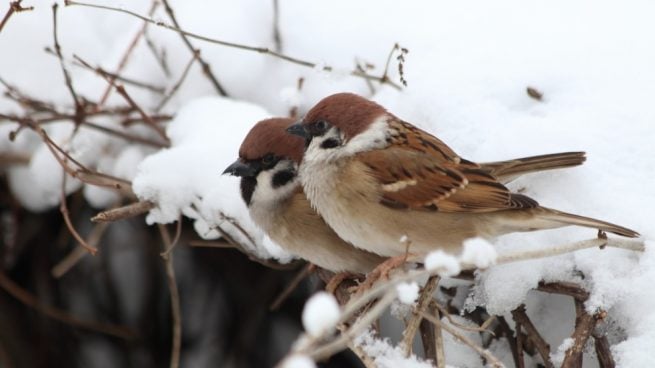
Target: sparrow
point(376, 179)
point(268, 167)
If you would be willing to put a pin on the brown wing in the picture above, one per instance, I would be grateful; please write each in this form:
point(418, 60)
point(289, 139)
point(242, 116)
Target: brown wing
point(435, 180)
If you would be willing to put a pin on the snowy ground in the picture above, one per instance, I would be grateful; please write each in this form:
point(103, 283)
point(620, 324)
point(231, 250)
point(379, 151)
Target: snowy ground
point(468, 67)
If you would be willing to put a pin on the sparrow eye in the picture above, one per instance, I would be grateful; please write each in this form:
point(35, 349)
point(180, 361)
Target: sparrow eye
point(319, 127)
point(268, 159)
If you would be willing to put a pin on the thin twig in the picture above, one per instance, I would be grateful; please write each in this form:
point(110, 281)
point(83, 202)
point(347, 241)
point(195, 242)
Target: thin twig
point(584, 325)
point(329, 349)
point(542, 346)
point(486, 354)
point(79, 112)
point(31, 301)
point(232, 244)
point(206, 68)
point(421, 306)
point(178, 232)
point(14, 7)
point(131, 47)
point(159, 56)
point(304, 272)
point(175, 299)
point(120, 213)
point(277, 38)
point(121, 91)
point(177, 85)
point(261, 50)
point(72, 258)
point(439, 345)
point(564, 288)
point(63, 208)
point(520, 359)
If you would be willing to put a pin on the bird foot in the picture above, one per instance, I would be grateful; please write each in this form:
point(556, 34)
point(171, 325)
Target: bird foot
point(337, 279)
point(382, 271)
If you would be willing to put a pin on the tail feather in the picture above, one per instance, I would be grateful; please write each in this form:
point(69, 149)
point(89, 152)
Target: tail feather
point(509, 170)
point(563, 218)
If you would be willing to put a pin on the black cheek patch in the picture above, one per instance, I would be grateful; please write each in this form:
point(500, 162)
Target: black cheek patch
point(282, 178)
point(330, 143)
point(248, 185)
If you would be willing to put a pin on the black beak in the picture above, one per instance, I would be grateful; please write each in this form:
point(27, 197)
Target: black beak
point(240, 168)
point(299, 130)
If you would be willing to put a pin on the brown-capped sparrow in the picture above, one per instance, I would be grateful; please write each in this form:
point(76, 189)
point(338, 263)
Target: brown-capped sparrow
point(267, 164)
point(376, 179)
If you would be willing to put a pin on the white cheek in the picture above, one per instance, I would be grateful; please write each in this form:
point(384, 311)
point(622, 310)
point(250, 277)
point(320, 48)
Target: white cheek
point(265, 194)
point(373, 138)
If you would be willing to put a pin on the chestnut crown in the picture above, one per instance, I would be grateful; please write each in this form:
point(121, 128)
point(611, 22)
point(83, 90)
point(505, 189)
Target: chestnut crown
point(269, 137)
point(348, 112)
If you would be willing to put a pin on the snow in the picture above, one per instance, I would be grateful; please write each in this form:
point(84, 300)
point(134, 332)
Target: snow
point(558, 356)
point(321, 314)
point(442, 263)
point(467, 77)
point(386, 355)
point(407, 292)
point(298, 361)
point(478, 252)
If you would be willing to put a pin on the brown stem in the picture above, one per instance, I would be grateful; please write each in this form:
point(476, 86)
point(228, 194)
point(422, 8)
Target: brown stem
point(31, 301)
point(120, 213)
point(177, 85)
point(206, 68)
point(584, 325)
point(128, 52)
point(304, 272)
point(603, 352)
point(14, 7)
point(542, 346)
point(261, 50)
point(63, 208)
point(175, 299)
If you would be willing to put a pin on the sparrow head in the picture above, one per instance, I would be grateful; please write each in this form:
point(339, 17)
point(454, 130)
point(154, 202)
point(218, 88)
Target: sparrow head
point(341, 120)
point(268, 161)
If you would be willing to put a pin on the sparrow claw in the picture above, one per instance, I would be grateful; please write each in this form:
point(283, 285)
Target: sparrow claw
point(382, 271)
point(336, 281)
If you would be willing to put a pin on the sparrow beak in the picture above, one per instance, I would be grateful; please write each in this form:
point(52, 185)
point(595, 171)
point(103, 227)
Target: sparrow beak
point(239, 168)
point(299, 130)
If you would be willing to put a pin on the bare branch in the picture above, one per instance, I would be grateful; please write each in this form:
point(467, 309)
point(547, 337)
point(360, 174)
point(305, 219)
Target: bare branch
point(177, 85)
point(261, 50)
point(31, 301)
point(72, 258)
point(175, 299)
point(120, 213)
point(206, 68)
point(421, 306)
point(14, 7)
point(486, 354)
point(128, 52)
point(542, 346)
point(79, 112)
point(63, 208)
point(304, 272)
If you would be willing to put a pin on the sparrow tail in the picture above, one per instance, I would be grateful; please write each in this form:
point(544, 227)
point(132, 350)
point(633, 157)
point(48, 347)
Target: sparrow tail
point(509, 170)
point(563, 218)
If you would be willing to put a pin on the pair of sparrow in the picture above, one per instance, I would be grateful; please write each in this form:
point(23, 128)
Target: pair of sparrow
point(342, 187)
